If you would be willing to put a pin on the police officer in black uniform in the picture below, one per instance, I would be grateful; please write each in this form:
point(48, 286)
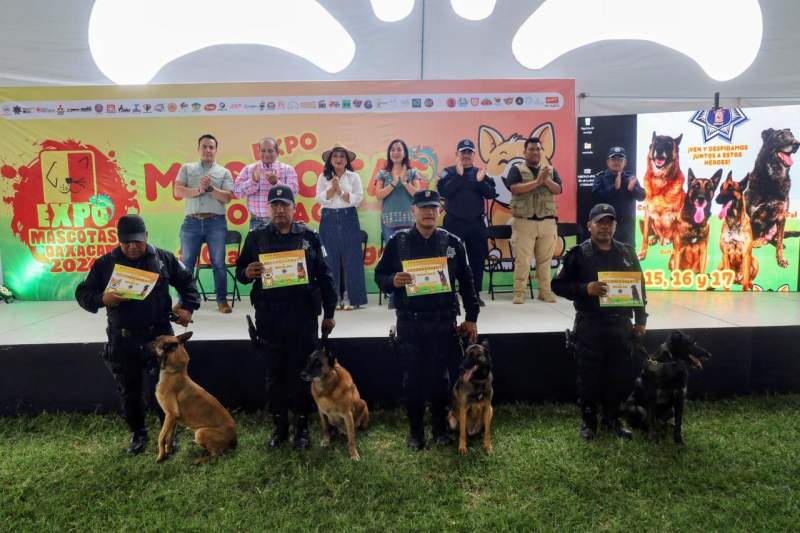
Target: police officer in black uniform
point(603, 335)
point(134, 323)
point(620, 189)
point(286, 316)
point(426, 324)
point(465, 189)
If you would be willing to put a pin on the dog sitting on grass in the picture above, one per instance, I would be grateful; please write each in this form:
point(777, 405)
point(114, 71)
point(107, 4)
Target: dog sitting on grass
point(472, 397)
point(186, 403)
point(659, 393)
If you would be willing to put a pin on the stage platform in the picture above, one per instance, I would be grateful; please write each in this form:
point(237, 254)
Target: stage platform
point(49, 351)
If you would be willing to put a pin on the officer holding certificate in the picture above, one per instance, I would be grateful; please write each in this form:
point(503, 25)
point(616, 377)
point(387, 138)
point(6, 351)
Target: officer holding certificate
point(603, 331)
point(292, 287)
point(132, 283)
point(420, 267)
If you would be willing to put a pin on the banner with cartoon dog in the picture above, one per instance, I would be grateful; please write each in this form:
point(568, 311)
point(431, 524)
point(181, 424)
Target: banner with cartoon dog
point(75, 159)
point(721, 211)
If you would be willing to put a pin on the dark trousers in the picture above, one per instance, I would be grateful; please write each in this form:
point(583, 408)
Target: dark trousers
point(603, 353)
point(135, 370)
point(426, 348)
point(474, 234)
point(289, 334)
point(626, 230)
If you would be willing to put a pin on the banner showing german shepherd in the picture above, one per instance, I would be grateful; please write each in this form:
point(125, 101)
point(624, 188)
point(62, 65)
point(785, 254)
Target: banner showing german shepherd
point(748, 241)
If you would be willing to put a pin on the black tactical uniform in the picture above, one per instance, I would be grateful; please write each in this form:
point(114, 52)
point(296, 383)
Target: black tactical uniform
point(134, 323)
point(426, 324)
point(464, 204)
point(604, 335)
point(286, 320)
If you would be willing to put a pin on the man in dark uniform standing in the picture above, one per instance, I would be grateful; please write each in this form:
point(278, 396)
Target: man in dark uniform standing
point(426, 323)
point(465, 190)
point(619, 188)
point(603, 334)
point(134, 323)
point(287, 310)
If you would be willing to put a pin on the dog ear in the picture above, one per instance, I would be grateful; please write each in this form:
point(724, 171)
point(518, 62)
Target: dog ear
point(485, 344)
point(183, 338)
point(745, 182)
point(678, 141)
point(729, 177)
point(488, 139)
point(547, 139)
point(767, 134)
point(654, 137)
point(715, 179)
point(690, 177)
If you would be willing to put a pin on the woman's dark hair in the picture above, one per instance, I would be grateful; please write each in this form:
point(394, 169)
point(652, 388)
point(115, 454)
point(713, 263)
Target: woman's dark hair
point(328, 171)
point(389, 164)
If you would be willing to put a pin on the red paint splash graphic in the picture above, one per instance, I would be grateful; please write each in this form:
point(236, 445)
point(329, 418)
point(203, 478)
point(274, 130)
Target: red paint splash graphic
point(67, 202)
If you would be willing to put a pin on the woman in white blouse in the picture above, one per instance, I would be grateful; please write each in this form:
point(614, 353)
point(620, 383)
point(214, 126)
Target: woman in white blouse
point(339, 191)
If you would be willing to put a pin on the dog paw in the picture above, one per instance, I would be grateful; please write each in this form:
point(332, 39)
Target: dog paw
point(354, 456)
point(462, 450)
point(487, 448)
point(642, 255)
point(783, 263)
point(161, 458)
point(325, 443)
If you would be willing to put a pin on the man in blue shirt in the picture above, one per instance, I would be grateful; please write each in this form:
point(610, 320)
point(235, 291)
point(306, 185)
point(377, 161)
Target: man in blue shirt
point(465, 190)
point(619, 188)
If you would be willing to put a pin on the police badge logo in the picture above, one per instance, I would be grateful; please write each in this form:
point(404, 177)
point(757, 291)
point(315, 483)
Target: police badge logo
point(719, 122)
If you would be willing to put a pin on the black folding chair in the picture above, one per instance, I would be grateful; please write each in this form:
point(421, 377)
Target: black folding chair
point(231, 238)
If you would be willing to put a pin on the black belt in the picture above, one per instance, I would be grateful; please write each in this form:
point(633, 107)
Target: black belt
point(541, 218)
point(130, 333)
point(598, 315)
point(425, 315)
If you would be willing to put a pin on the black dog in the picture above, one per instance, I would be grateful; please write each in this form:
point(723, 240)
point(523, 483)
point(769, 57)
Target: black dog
point(472, 397)
point(660, 390)
point(768, 194)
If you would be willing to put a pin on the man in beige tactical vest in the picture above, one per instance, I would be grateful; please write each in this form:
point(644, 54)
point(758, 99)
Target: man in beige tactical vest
point(533, 186)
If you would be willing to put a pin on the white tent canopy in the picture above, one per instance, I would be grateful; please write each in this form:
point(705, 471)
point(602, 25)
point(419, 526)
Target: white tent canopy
point(46, 42)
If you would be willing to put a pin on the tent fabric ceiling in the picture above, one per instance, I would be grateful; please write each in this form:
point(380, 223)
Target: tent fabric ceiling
point(44, 42)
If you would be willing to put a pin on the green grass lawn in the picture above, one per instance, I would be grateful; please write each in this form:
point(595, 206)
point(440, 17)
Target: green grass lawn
point(739, 471)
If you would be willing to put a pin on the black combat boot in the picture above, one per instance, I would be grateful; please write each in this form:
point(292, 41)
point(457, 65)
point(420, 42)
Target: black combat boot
point(281, 431)
point(416, 433)
point(302, 440)
point(138, 442)
point(441, 433)
point(589, 426)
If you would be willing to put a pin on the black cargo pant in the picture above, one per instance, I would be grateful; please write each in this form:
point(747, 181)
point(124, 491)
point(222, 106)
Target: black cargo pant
point(288, 332)
point(427, 347)
point(474, 234)
point(603, 353)
point(135, 370)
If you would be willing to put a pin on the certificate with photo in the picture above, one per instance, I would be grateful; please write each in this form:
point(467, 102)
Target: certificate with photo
point(131, 283)
point(283, 269)
point(429, 276)
point(624, 289)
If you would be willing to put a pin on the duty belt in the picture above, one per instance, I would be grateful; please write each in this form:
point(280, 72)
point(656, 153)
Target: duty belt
point(599, 315)
point(128, 333)
point(203, 216)
point(425, 315)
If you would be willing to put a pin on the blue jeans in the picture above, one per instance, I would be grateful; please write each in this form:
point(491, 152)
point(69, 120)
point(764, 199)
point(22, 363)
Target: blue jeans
point(212, 231)
point(341, 236)
point(258, 222)
point(387, 232)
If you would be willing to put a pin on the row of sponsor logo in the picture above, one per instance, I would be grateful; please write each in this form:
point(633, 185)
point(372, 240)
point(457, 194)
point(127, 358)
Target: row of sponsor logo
point(255, 105)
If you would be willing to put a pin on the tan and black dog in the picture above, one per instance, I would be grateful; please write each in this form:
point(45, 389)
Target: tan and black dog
point(736, 240)
point(472, 397)
point(663, 183)
point(691, 244)
point(338, 401)
point(186, 403)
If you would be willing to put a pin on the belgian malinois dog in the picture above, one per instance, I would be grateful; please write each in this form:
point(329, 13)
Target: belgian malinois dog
point(472, 397)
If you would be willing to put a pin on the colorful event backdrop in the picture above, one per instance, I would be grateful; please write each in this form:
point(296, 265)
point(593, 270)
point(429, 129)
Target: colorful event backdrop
point(727, 140)
point(75, 159)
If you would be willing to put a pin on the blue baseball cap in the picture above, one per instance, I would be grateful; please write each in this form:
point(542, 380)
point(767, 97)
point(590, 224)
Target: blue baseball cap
point(466, 144)
point(616, 152)
point(426, 198)
point(280, 193)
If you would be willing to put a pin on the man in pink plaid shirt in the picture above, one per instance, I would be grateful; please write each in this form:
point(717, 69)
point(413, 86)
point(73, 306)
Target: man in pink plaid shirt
point(255, 181)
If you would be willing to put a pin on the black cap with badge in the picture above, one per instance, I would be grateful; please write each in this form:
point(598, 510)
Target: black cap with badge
point(131, 228)
point(601, 211)
point(616, 152)
point(466, 144)
point(281, 193)
point(426, 198)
